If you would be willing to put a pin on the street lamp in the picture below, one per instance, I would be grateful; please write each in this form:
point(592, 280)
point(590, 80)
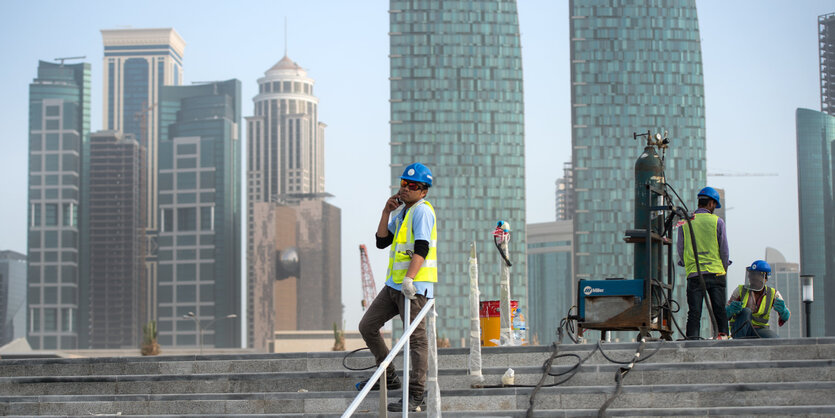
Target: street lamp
point(200, 328)
point(807, 282)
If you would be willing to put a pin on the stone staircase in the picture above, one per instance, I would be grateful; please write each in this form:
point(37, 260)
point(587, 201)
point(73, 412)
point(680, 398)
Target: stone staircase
point(722, 378)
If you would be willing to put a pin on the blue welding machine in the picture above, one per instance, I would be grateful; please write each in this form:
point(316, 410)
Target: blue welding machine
point(601, 300)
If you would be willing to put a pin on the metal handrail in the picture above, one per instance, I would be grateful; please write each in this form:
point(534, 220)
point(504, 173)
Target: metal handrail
point(410, 329)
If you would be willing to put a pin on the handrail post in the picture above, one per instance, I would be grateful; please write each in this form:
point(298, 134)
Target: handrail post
point(407, 307)
point(383, 411)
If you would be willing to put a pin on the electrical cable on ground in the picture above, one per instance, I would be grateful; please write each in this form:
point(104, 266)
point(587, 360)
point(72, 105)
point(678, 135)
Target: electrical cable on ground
point(345, 358)
point(621, 373)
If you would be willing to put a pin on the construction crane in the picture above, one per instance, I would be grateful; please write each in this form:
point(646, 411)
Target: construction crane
point(369, 289)
point(62, 59)
point(742, 174)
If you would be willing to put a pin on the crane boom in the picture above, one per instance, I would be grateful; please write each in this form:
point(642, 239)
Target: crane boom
point(369, 288)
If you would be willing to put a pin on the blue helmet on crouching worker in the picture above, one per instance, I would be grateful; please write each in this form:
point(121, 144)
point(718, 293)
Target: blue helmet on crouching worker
point(419, 173)
point(756, 275)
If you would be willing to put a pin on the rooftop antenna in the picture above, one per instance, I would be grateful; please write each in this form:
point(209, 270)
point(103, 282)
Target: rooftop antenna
point(285, 36)
point(62, 59)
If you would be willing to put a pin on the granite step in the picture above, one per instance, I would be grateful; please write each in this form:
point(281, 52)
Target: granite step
point(456, 358)
point(487, 401)
point(587, 375)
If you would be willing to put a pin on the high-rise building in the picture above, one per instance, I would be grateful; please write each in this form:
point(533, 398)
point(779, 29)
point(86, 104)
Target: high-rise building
point(457, 106)
point(137, 63)
point(286, 156)
point(551, 286)
point(200, 227)
point(816, 212)
point(826, 44)
point(565, 194)
point(117, 231)
point(785, 277)
point(59, 126)
point(13, 295)
point(636, 66)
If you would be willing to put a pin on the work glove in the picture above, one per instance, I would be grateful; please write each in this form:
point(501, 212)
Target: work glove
point(780, 307)
point(408, 288)
point(733, 308)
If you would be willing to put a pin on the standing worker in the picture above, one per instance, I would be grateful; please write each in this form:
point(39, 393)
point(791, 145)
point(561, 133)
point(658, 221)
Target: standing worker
point(712, 246)
point(750, 304)
point(412, 270)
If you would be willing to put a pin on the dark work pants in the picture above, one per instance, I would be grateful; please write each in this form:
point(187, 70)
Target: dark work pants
point(717, 292)
point(387, 305)
point(743, 328)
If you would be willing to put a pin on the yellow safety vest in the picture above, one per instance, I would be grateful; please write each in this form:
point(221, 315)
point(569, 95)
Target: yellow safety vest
point(759, 318)
point(704, 225)
point(404, 245)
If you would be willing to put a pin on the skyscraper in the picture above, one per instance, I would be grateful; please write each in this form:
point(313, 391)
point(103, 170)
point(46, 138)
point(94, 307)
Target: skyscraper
point(826, 44)
point(457, 106)
point(137, 63)
point(13, 288)
point(635, 66)
point(551, 286)
point(816, 212)
point(116, 258)
point(785, 277)
point(286, 158)
point(565, 194)
point(59, 126)
point(200, 227)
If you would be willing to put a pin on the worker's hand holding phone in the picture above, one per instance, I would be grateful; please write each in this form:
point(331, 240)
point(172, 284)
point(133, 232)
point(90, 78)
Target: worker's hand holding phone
point(393, 203)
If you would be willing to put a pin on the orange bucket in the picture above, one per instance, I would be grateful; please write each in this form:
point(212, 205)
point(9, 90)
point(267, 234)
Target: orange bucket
point(489, 316)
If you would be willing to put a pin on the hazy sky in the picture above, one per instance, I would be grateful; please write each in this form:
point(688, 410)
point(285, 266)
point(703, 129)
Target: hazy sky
point(760, 64)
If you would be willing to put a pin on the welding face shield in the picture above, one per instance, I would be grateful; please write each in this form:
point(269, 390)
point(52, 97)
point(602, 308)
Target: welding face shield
point(755, 280)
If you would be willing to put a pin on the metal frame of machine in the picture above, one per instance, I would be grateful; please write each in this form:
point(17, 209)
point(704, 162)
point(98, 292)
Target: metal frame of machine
point(641, 303)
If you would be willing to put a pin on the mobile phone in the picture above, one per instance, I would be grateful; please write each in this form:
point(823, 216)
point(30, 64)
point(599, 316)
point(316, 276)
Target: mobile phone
point(397, 198)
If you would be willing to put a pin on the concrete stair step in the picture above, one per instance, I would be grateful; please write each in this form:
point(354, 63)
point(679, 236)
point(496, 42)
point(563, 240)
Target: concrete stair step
point(587, 375)
point(489, 401)
point(528, 356)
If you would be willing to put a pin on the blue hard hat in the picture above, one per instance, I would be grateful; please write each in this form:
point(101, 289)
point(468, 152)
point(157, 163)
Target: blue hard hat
point(711, 193)
point(759, 265)
point(418, 172)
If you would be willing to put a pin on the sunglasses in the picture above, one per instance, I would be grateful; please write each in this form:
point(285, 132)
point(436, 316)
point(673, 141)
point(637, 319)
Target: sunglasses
point(411, 185)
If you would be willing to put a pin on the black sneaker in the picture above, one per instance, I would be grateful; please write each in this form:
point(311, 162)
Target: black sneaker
point(417, 403)
point(392, 383)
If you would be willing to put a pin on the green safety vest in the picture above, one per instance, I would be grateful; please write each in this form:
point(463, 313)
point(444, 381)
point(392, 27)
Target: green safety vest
point(399, 258)
point(704, 225)
point(759, 318)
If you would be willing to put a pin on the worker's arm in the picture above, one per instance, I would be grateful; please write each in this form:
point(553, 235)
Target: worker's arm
point(722, 236)
point(383, 235)
point(781, 308)
point(734, 304)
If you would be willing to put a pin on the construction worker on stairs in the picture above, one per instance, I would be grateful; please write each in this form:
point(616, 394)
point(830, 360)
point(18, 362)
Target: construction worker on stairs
point(412, 272)
point(712, 244)
point(750, 304)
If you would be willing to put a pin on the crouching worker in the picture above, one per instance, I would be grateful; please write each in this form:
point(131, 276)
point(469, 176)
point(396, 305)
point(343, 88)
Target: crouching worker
point(750, 304)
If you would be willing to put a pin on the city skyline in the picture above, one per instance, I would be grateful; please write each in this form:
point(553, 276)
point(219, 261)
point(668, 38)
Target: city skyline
point(352, 70)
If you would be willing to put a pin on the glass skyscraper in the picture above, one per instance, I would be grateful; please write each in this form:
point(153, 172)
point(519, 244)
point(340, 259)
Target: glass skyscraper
point(456, 106)
point(551, 286)
point(816, 211)
point(826, 44)
point(200, 209)
point(137, 63)
point(116, 231)
point(59, 129)
point(635, 66)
